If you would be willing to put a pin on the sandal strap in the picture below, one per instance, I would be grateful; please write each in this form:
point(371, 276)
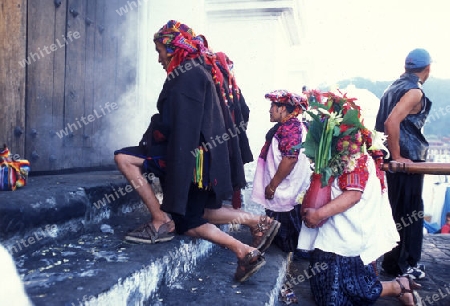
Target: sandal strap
point(152, 232)
point(263, 225)
point(403, 289)
point(162, 230)
point(164, 227)
point(249, 257)
point(248, 265)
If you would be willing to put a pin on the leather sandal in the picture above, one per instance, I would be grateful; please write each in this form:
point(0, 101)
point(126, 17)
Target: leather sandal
point(269, 229)
point(412, 285)
point(249, 265)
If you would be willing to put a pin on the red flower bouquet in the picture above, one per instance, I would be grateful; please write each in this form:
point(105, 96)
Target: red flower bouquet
point(336, 136)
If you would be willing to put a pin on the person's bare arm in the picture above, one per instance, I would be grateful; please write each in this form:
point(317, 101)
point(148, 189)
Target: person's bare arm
point(284, 168)
point(343, 202)
point(408, 104)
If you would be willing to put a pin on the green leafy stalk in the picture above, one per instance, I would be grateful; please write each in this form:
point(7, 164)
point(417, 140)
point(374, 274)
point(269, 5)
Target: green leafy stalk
point(326, 150)
point(319, 153)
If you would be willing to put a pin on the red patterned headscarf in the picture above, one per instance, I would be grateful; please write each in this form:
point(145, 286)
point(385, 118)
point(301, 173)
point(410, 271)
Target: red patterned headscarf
point(180, 41)
point(285, 97)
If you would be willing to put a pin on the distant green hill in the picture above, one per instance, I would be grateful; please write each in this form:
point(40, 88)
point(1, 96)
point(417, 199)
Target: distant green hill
point(438, 90)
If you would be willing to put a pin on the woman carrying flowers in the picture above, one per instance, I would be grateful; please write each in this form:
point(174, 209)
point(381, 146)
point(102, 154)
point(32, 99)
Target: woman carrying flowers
point(355, 227)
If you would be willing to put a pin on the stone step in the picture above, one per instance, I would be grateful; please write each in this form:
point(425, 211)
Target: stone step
point(211, 283)
point(55, 206)
point(68, 246)
point(100, 268)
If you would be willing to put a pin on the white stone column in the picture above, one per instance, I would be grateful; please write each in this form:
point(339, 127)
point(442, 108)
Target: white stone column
point(263, 38)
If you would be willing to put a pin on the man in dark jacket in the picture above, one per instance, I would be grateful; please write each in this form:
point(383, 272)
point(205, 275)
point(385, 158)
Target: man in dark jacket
point(401, 116)
point(196, 147)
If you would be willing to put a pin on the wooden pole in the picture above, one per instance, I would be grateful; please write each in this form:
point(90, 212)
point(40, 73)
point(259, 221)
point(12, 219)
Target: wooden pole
point(419, 168)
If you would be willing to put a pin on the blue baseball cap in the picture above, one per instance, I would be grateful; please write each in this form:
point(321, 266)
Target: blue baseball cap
point(417, 58)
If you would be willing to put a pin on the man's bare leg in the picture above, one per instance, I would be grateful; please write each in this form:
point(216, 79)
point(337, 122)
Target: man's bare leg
point(263, 231)
point(227, 214)
point(130, 166)
point(212, 233)
point(250, 259)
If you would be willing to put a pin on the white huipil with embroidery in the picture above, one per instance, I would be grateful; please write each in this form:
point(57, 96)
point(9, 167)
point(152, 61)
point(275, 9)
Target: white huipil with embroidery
point(366, 229)
point(295, 183)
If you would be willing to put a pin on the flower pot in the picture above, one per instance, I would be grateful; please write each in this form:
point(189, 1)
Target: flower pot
point(317, 196)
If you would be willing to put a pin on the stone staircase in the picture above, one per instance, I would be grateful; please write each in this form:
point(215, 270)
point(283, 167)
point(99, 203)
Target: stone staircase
point(67, 241)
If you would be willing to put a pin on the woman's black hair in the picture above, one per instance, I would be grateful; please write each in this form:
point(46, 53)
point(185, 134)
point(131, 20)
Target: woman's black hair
point(289, 107)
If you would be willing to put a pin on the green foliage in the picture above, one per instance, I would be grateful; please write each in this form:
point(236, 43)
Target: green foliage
point(334, 126)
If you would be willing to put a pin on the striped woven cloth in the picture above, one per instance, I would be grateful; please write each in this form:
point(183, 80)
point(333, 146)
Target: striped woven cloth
point(13, 172)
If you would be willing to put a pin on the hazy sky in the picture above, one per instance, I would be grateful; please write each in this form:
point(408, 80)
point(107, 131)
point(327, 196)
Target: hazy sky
point(345, 38)
point(372, 38)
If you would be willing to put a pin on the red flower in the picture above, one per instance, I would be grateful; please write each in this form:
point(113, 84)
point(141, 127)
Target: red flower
point(344, 127)
point(317, 95)
point(354, 148)
point(367, 137)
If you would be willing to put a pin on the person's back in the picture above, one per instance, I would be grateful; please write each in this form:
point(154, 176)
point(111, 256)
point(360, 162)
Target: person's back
point(402, 114)
point(413, 144)
point(347, 234)
point(192, 124)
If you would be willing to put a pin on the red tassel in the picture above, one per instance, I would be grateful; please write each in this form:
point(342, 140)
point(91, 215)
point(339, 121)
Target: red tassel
point(236, 201)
